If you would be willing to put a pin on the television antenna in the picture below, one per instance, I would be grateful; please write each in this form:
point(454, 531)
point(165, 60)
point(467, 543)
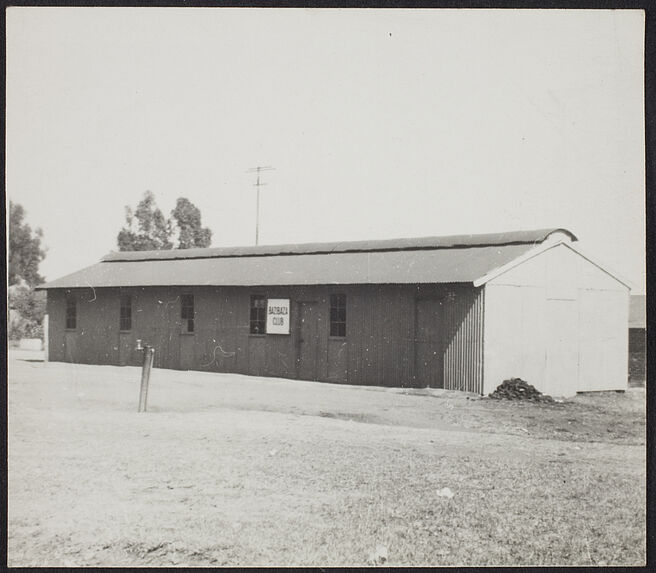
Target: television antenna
point(258, 184)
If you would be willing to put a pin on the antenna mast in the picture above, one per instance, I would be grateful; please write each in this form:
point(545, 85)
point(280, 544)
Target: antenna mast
point(258, 184)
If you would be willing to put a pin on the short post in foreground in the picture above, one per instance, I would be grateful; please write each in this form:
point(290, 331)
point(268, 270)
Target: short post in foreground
point(149, 354)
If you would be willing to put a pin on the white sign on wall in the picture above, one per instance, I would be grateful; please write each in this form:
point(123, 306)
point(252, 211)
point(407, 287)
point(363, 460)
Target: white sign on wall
point(277, 316)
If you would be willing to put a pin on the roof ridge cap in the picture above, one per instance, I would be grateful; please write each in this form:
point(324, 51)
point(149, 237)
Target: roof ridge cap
point(430, 242)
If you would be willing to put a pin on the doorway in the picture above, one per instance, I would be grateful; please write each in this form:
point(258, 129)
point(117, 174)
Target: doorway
point(308, 340)
point(429, 359)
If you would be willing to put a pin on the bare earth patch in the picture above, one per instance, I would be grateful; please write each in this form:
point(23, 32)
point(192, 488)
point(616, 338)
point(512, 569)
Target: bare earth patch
point(228, 470)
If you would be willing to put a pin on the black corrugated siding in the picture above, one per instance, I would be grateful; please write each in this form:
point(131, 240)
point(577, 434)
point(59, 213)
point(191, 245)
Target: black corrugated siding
point(379, 348)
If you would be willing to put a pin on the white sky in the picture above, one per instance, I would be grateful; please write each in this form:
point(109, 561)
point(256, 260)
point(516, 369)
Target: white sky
point(380, 124)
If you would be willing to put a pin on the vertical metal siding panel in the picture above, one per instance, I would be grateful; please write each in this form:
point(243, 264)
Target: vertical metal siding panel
point(412, 320)
point(354, 327)
point(481, 341)
point(377, 337)
point(456, 350)
point(409, 316)
point(366, 336)
point(371, 331)
point(472, 348)
point(448, 355)
point(459, 346)
point(453, 356)
point(378, 334)
point(360, 337)
point(468, 343)
point(478, 333)
point(478, 385)
point(449, 381)
point(475, 344)
point(472, 342)
point(401, 343)
point(463, 343)
point(394, 348)
point(451, 343)
point(56, 305)
point(463, 340)
point(462, 359)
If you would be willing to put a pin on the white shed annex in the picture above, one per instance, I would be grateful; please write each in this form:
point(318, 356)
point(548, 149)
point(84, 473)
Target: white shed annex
point(557, 319)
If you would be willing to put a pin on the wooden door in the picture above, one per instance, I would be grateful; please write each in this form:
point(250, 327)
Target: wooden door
point(562, 353)
point(70, 343)
point(187, 359)
point(126, 345)
point(429, 369)
point(307, 341)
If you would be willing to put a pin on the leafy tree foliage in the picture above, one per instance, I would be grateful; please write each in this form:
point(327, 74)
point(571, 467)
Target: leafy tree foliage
point(146, 228)
point(25, 250)
point(27, 308)
point(191, 233)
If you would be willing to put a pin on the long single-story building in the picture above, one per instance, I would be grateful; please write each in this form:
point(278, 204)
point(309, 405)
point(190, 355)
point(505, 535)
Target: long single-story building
point(458, 312)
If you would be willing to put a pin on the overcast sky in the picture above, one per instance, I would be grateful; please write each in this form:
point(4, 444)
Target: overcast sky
point(379, 123)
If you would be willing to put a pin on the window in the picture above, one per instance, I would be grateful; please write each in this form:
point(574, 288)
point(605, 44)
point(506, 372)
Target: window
point(187, 312)
point(71, 312)
point(125, 321)
point(258, 314)
point(338, 315)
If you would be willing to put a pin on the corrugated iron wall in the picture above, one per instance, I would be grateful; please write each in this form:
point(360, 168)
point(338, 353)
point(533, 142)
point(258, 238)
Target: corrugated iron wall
point(380, 326)
point(463, 339)
point(380, 347)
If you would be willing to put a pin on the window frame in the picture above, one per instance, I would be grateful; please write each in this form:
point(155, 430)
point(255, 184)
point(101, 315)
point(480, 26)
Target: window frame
point(71, 303)
point(123, 297)
point(258, 319)
point(337, 306)
point(188, 321)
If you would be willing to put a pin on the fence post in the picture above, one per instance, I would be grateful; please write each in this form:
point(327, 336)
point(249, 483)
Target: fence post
point(149, 354)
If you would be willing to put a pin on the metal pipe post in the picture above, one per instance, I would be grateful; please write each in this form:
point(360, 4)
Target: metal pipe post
point(149, 354)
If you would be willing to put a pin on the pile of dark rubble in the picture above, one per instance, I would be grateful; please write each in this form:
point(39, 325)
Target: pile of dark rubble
point(518, 389)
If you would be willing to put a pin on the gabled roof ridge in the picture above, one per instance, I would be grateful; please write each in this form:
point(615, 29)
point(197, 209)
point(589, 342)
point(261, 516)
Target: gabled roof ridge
point(381, 245)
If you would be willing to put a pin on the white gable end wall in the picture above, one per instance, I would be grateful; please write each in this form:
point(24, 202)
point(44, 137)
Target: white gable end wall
point(559, 322)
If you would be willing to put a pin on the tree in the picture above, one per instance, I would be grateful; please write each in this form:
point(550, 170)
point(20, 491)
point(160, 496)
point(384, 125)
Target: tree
point(26, 310)
point(146, 228)
point(186, 218)
point(25, 251)
point(26, 307)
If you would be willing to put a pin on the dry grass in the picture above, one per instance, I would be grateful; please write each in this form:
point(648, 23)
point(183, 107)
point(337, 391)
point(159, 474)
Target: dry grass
point(230, 470)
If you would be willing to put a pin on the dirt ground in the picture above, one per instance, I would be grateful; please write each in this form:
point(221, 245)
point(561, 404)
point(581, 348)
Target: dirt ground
point(229, 470)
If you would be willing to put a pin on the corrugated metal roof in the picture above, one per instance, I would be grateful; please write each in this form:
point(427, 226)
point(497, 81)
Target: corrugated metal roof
point(638, 311)
point(453, 241)
point(422, 260)
point(424, 266)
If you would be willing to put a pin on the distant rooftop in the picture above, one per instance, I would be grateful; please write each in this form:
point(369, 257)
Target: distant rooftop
point(638, 311)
